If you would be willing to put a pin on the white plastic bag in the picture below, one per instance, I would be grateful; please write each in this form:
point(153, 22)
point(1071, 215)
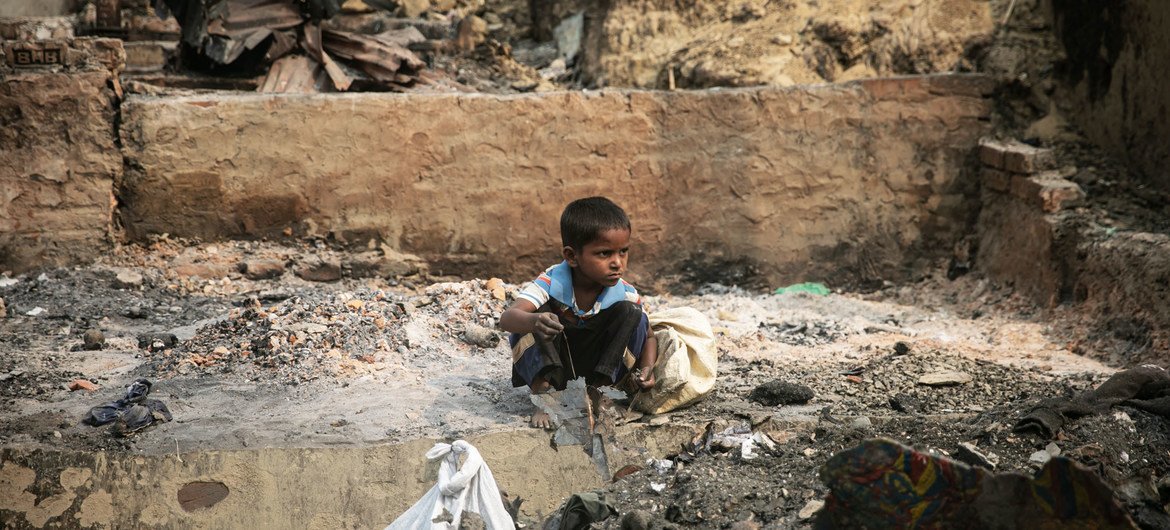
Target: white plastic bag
point(468, 488)
point(687, 361)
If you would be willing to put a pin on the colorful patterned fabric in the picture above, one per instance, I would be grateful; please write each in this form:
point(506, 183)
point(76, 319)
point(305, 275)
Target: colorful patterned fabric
point(884, 484)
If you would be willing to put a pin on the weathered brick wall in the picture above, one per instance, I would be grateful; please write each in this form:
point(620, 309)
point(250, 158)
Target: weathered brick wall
point(848, 182)
point(58, 157)
point(1035, 237)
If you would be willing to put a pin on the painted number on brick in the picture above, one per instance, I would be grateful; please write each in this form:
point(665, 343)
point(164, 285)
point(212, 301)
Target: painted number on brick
point(30, 57)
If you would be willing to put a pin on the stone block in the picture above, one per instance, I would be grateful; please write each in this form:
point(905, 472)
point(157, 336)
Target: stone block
point(35, 28)
point(149, 56)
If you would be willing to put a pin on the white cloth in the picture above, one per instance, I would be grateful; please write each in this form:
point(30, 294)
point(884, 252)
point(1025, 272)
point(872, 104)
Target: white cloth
point(468, 488)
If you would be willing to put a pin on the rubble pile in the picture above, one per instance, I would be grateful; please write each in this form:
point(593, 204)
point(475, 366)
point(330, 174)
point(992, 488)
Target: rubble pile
point(926, 382)
point(710, 483)
point(314, 335)
point(805, 333)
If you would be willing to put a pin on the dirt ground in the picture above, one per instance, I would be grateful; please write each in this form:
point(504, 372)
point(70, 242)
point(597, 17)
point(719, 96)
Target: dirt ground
point(285, 362)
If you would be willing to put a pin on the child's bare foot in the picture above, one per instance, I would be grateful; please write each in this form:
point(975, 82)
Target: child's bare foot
point(541, 420)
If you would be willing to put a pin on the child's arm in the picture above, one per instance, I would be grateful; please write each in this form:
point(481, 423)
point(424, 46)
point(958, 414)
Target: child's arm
point(522, 318)
point(646, 363)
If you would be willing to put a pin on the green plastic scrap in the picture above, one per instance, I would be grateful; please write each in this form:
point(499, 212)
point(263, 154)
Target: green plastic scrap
point(806, 287)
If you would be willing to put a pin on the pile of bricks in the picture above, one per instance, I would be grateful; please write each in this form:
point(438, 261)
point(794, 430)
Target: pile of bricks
point(1026, 172)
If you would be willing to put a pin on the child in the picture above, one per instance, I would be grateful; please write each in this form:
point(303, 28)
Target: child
point(580, 318)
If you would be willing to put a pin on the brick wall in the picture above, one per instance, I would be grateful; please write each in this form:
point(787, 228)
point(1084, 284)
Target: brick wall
point(860, 181)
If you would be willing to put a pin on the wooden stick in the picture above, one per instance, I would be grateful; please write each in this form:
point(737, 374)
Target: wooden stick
point(1008, 14)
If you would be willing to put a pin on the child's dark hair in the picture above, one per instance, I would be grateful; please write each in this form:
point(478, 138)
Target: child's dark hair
point(585, 219)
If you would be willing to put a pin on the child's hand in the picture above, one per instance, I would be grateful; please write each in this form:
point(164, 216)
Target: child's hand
point(647, 379)
point(547, 325)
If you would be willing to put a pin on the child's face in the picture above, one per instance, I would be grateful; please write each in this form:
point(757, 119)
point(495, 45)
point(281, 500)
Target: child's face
point(603, 260)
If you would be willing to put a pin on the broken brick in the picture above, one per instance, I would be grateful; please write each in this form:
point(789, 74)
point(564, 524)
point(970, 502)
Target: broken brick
point(1048, 191)
point(262, 269)
point(207, 271)
point(1056, 195)
point(496, 286)
point(81, 384)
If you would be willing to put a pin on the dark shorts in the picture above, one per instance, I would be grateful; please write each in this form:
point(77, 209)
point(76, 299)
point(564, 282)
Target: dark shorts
point(608, 344)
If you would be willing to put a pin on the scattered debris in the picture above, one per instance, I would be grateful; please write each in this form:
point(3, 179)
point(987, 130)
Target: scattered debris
point(262, 269)
point(34, 312)
point(1040, 457)
point(131, 413)
point(157, 341)
point(778, 392)
point(637, 520)
point(496, 287)
point(810, 509)
point(93, 339)
point(255, 34)
point(659, 419)
point(1145, 387)
point(862, 423)
point(582, 510)
point(812, 288)
point(905, 403)
point(81, 384)
point(480, 336)
point(969, 454)
point(128, 280)
point(316, 269)
point(806, 333)
point(947, 378)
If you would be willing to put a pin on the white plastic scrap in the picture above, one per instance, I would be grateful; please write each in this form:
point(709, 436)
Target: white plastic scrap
point(747, 447)
point(468, 488)
point(35, 311)
point(8, 282)
point(661, 466)
point(744, 439)
point(658, 487)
